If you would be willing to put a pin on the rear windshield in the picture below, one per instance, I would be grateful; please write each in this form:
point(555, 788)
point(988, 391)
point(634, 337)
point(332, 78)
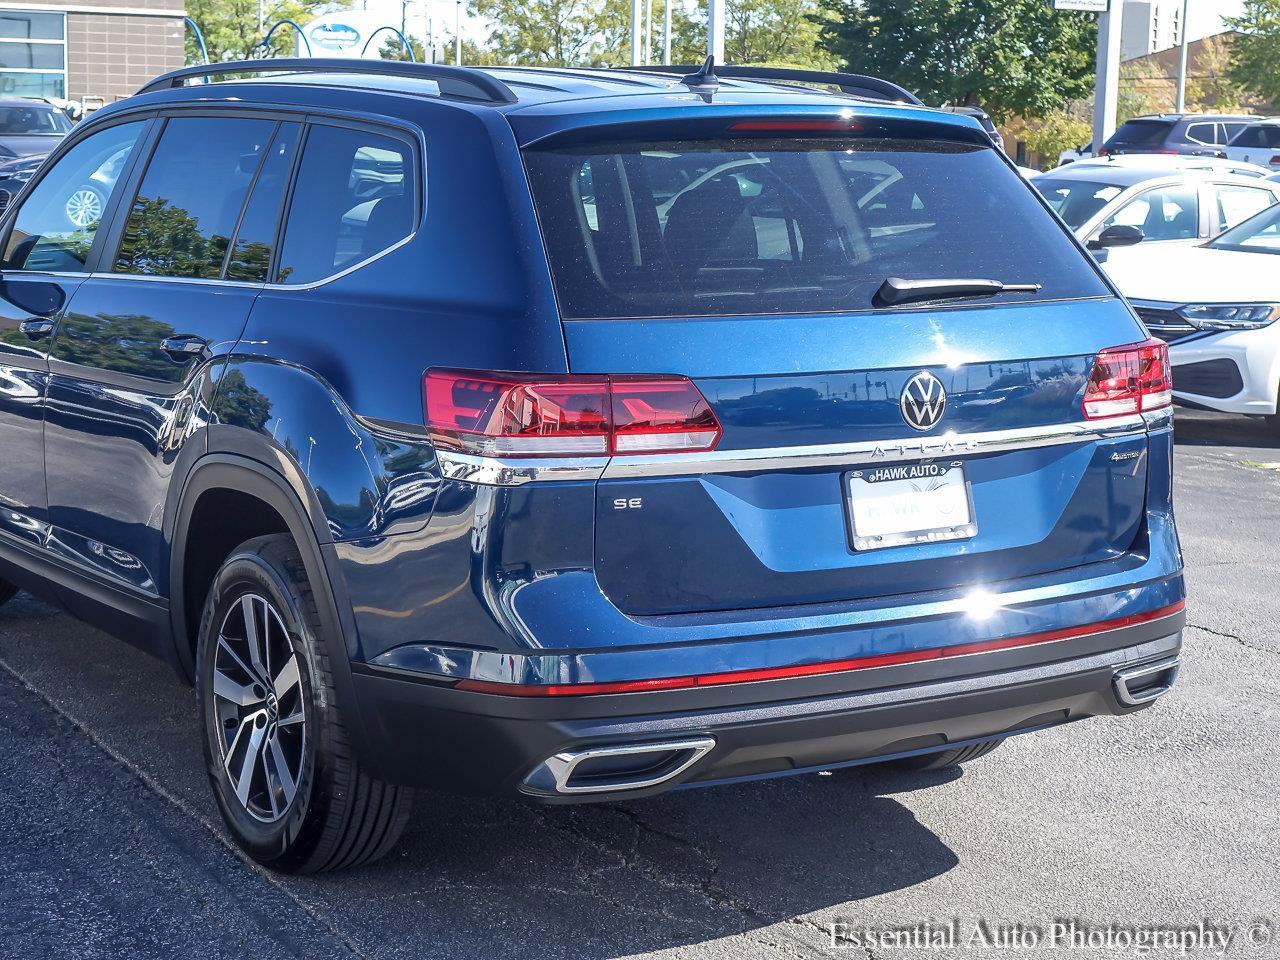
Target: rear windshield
point(709, 228)
point(1075, 201)
point(1142, 132)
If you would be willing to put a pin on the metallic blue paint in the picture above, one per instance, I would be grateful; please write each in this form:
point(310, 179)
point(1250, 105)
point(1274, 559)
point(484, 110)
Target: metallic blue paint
point(444, 579)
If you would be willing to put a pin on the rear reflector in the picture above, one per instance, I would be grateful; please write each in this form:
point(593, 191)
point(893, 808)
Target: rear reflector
point(812, 669)
point(1129, 379)
point(519, 415)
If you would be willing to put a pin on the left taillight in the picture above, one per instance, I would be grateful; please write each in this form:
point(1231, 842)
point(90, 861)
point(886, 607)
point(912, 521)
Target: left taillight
point(1129, 379)
point(531, 415)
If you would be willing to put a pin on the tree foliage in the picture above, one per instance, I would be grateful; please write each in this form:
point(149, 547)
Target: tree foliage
point(1060, 130)
point(1007, 56)
point(598, 32)
point(1255, 54)
point(230, 27)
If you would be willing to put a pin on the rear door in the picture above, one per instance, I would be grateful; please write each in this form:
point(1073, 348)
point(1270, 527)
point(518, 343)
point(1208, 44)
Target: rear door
point(130, 364)
point(752, 264)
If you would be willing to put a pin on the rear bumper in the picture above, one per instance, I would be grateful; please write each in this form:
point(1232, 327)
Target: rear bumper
point(479, 743)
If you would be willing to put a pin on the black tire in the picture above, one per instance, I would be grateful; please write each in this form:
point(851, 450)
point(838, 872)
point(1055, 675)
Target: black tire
point(336, 816)
point(947, 758)
point(7, 591)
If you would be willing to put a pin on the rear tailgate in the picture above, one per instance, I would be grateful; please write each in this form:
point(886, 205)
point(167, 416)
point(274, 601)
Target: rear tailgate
point(750, 263)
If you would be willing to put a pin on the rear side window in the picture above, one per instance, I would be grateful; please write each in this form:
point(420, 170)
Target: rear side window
point(1236, 204)
point(1202, 133)
point(1142, 132)
point(786, 226)
point(250, 260)
point(191, 196)
point(354, 198)
point(1259, 135)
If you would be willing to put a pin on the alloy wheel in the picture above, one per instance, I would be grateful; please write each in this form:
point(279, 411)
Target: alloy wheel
point(84, 207)
point(258, 706)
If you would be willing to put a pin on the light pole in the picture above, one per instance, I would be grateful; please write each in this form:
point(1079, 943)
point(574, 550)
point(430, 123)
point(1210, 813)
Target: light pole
point(637, 51)
point(1182, 62)
point(457, 33)
point(648, 31)
point(666, 32)
point(715, 29)
point(1107, 92)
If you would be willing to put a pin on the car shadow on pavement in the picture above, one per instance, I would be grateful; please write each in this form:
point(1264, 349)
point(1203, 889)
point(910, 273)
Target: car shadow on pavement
point(1202, 428)
point(494, 878)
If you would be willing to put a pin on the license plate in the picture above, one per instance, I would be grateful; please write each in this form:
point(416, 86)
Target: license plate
point(913, 503)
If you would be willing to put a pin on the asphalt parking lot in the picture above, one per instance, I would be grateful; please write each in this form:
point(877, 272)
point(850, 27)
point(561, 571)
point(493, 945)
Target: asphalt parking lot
point(110, 845)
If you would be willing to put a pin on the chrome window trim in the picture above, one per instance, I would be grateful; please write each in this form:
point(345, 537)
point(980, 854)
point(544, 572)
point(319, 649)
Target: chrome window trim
point(495, 471)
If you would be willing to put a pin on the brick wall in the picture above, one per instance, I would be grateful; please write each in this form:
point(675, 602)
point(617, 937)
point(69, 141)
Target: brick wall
point(112, 55)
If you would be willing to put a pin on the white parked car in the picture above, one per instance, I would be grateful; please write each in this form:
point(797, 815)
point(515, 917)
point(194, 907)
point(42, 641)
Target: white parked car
point(1257, 143)
point(1114, 204)
point(1216, 304)
point(1073, 154)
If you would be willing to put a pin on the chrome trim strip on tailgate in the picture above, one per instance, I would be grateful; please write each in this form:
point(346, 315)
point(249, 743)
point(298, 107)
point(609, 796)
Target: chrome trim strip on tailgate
point(492, 471)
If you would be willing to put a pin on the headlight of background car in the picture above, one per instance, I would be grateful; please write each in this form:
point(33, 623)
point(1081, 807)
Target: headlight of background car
point(1230, 316)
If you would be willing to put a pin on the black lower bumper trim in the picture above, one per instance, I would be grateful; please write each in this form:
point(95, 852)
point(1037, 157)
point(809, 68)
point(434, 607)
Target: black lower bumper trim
point(447, 739)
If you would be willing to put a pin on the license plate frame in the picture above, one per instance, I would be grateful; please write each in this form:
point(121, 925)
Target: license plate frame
point(880, 513)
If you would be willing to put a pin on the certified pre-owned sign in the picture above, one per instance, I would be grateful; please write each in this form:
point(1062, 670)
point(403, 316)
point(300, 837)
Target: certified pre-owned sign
point(1091, 6)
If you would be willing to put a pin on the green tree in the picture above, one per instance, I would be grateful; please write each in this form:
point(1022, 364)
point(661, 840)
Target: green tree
point(1058, 131)
point(1210, 86)
point(779, 32)
point(1008, 56)
point(230, 27)
point(1256, 52)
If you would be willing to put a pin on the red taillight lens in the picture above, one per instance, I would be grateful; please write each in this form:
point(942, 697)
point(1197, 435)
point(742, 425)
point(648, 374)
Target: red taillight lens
point(1129, 379)
point(1104, 152)
point(1274, 161)
point(517, 415)
point(668, 415)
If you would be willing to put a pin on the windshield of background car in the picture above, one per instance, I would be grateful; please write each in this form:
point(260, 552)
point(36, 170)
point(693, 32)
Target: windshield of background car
point(1075, 201)
point(709, 228)
point(32, 121)
point(1260, 234)
point(1142, 132)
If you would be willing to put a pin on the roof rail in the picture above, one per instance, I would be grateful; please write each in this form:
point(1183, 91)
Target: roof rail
point(461, 83)
point(854, 84)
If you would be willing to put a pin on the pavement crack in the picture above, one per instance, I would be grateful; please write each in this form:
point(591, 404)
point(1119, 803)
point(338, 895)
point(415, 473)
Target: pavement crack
point(159, 790)
point(1231, 636)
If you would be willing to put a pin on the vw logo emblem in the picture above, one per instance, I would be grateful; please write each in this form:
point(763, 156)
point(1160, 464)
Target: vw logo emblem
point(923, 401)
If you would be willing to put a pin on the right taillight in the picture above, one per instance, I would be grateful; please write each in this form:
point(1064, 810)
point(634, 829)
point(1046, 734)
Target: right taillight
point(546, 415)
point(1129, 379)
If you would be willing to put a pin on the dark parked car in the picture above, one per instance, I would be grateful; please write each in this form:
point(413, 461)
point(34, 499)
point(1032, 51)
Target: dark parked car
point(1198, 134)
point(984, 119)
point(575, 435)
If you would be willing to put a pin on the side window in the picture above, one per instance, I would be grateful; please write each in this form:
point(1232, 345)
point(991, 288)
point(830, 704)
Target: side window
point(1165, 213)
point(55, 228)
point(1232, 130)
point(190, 198)
point(1201, 133)
point(255, 240)
point(1237, 204)
point(354, 197)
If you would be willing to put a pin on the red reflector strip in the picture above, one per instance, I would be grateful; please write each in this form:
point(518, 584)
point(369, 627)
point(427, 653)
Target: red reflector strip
point(812, 669)
point(794, 126)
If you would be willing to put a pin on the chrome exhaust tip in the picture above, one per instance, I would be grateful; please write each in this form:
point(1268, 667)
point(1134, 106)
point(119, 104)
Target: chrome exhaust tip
point(1136, 686)
point(616, 767)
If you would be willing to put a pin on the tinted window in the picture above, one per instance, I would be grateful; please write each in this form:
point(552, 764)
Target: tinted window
point(31, 121)
point(190, 198)
point(255, 240)
point(1201, 133)
point(1166, 213)
point(786, 226)
point(1259, 135)
point(58, 221)
point(1232, 130)
point(1075, 201)
point(354, 197)
point(1237, 204)
point(1141, 132)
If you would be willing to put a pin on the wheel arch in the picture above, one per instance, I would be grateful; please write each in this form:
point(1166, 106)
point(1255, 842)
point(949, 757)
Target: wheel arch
point(301, 517)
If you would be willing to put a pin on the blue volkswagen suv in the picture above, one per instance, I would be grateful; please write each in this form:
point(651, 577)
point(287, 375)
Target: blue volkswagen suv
point(576, 435)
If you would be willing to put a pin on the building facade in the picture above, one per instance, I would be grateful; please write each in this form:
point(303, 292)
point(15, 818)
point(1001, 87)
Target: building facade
point(1148, 26)
point(95, 52)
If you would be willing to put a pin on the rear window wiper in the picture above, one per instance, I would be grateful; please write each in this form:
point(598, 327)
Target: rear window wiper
point(896, 291)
